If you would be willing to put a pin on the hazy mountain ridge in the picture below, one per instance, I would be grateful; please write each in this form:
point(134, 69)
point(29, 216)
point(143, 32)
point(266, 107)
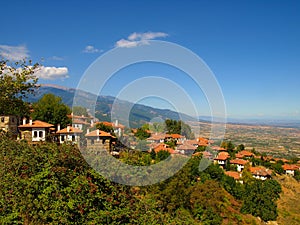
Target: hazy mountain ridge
point(139, 114)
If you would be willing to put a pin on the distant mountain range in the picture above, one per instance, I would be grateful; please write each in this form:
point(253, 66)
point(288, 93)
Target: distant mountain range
point(139, 114)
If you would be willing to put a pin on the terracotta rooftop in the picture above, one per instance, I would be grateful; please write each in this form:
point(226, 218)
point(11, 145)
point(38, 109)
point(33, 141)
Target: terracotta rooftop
point(78, 121)
point(234, 174)
point(186, 146)
point(101, 134)
point(222, 156)
point(260, 171)
point(243, 154)
point(37, 124)
point(238, 161)
point(218, 148)
point(70, 130)
point(164, 147)
point(290, 167)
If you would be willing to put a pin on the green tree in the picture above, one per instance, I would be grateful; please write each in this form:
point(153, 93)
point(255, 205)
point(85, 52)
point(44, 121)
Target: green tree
point(103, 127)
point(179, 127)
point(79, 111)
point(260, 199)
point(17, 81)
point(142, 133)
point(51, 109)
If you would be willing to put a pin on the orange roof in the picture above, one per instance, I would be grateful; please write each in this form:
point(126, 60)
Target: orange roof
point(260, 171)
point(72, 130)
point(101, 134)
point(77, 121)
point(234, 174)
point(186, 146)
point(290, 167)
point(243, 154)
point(37, 124)
point(218, 148)
point(206, 154)
point(156, 137)
point(191, 142)
point(163, 147)
point(71, 116)
point(238, 161)
point(176, 136)
point(110, 124)
point(222, 156)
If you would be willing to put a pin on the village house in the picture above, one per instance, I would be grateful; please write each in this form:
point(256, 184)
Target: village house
point(244, 154)
point(99, 140)
point(222, 158)
point(185, 148)
point(69, 135)
point(235, 175)
point(35, 130)
point(156, 138)
point(117, 127)
point(260, 173)
point(290, 169)
point(163, 147)
point(9, 124)
point(240, 163)
point(174, 137)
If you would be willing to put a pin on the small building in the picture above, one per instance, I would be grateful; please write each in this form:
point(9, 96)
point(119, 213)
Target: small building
point(235, 175)
point(185, 148)
point(9, 124)
point(240, 163)
point(69, 135)
point(260, 173)
point(99, 140)
point(35, 130)
point(163, 147)
point(244, 154)
point(290, 169)
point(156, 138)
point(222, 158)
point(79, 124)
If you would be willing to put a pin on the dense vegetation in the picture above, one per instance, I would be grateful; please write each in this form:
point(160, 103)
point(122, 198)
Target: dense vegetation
point(50, 184)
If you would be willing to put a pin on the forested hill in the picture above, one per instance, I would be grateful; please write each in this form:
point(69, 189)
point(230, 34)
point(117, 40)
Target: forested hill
point(139, 114)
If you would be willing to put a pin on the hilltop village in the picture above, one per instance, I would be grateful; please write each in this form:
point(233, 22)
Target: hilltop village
point(88, 132)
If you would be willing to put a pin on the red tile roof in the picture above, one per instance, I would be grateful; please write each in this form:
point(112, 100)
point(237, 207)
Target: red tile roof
point(238, 161)
point(243, 154)
point(164, 147)
point(37, 124)
point(260, 171)
point(234, 174)
point(186, 147)
point(72, 130)
point(101, 134)
point(222, 156)
point(290, 167)
point(218, 148)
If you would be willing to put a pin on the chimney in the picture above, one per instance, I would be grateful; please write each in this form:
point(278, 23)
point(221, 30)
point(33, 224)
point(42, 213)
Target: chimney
point(58, 127)
point(87, 131)
point(68, 128)
point(98, 132)
point(30, 122)
point(116, 123)
point(24, 121)
point(92, 123)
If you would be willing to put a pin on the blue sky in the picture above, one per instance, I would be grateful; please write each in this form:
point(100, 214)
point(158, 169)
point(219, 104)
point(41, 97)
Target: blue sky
point(252, 47)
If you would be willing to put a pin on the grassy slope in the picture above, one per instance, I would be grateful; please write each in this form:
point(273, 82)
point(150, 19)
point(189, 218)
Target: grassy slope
point(289, 202)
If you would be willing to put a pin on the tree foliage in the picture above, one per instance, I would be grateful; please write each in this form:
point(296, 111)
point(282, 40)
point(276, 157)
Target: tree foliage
point(51, 109)
point(17, 81)
point(179, 127)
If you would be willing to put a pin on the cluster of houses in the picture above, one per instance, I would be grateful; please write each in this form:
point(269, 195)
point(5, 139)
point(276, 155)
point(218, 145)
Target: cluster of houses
point(39, 131)
point(219, 155)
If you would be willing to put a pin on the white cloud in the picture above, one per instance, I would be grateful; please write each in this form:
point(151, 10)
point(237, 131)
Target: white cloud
point(52, 73)
point(57, 58)
point(14, 53)
point(90, 49)
point(136, 39)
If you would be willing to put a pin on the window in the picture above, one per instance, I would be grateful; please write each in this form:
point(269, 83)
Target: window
point(35, 134)
point(62, 137)
point(41, 134)
point(13, 120)
point(73, 137)
point(2, 119)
